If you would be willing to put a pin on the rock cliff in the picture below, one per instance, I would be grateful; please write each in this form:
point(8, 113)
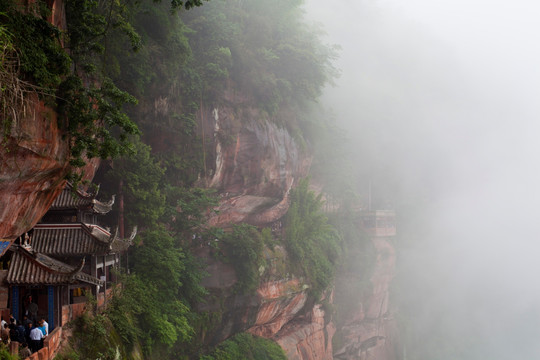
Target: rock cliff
point(255, 164)
point(279, 310)
point(33, 159)
point(367, 329)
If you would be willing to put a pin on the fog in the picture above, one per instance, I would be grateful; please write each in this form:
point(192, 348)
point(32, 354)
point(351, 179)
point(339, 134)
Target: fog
point(442, 97)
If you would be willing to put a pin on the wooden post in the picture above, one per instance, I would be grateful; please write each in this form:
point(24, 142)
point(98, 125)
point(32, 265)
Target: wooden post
point(121, 209)
point(50, 307)
point(15, 303)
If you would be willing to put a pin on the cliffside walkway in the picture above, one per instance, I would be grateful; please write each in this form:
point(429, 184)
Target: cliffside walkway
point(51, 345)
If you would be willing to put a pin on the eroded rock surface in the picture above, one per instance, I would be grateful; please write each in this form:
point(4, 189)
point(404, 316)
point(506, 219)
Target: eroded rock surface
point(369, 329)
point(273, 305)
point(33, 164)
point(256, 165)
point(34, 161)
point(308, 337)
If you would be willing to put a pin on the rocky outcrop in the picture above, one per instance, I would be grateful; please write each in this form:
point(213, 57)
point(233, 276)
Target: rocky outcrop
point(256, 163)
point(274, 304)
point(280, 303)
point(33, 164)
point(276, 311)
point(34, 155)
point(368, 329)
point(34, 161)
point(308, 337)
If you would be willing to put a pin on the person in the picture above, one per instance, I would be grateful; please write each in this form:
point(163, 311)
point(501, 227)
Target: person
point(12, 319)
point(31, 309)
point(4, 334)
point(3, 322)
point(35, 338)
point(46, 324)
point(24, 351)
point(26, 321)
point(22, 333)
point(41, 326)
point(13, 333)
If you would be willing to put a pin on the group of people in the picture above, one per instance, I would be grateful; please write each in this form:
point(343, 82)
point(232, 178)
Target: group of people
point(30, 334)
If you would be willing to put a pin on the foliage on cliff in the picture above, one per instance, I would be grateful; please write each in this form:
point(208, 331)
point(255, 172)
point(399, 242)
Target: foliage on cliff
point(246, 347)
point(89, 103)
point(264, 47)
point(188, 60)
point(28, 44)
point(175, 64)
point(242, 246)
point(155, 308)
point(313, 243)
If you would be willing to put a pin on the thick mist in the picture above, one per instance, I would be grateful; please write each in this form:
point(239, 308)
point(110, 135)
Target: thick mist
point(442, 98)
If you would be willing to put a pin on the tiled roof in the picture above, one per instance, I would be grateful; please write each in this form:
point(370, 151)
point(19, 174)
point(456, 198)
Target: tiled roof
point(28, 268)
point(77, 239)
point(70, 239)
point(69, 199)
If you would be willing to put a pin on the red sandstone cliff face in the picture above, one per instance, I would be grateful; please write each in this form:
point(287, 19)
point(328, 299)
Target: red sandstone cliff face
point(278, 311)
point(264, 313)
point(33, 160)
point(368, 329)
point(308, 337)
point(255, 165)
point(33, 163)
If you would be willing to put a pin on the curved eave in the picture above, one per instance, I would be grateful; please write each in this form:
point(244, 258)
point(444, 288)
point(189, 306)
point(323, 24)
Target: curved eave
point(33, 268)
point(69, 199)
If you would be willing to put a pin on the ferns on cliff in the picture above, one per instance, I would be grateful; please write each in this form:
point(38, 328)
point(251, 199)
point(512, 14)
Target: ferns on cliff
point(313, 244)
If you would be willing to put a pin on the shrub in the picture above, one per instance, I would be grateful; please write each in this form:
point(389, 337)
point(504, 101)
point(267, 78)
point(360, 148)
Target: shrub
point(313, 244)
point(246, 347)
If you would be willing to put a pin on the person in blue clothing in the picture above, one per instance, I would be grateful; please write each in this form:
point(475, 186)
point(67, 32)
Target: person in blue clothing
point(42, 327)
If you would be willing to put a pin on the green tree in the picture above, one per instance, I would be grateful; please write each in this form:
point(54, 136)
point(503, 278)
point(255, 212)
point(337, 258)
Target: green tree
point(142, 177)
point(150, 306)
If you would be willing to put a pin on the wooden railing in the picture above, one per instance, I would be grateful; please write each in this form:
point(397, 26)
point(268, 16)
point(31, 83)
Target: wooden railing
point(51, 344)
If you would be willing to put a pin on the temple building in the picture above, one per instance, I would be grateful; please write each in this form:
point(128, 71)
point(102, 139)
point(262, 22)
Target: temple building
point(69, 254)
